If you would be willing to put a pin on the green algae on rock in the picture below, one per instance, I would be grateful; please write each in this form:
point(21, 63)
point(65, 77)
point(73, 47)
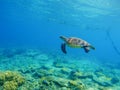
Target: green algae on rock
point(65, 70)
point(11, 80)
point(2, 78)
point(10, 85)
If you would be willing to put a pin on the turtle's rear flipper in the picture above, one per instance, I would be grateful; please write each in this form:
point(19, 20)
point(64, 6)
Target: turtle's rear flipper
point(92, 47)
point(87, 49)
point(63, 48)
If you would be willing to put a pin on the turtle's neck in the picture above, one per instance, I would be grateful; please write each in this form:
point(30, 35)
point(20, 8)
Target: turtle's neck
point(63, 38)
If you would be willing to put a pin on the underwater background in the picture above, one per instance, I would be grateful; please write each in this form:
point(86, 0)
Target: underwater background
point(30, 47)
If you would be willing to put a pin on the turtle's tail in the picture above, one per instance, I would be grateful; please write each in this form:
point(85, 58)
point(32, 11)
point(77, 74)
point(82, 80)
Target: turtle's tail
point(63, 38)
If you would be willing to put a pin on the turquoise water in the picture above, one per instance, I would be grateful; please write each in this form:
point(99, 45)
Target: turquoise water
point(30, 48)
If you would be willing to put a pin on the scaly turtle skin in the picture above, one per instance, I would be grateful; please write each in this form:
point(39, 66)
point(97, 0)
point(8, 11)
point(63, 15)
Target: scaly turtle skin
point(75, 42)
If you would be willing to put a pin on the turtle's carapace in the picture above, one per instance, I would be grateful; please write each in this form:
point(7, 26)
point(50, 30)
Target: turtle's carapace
point(75, 42)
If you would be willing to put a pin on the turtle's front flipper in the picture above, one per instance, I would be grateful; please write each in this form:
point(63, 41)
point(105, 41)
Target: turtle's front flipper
point(63, 48)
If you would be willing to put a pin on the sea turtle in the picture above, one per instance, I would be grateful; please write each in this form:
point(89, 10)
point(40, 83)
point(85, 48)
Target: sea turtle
point(75, 42)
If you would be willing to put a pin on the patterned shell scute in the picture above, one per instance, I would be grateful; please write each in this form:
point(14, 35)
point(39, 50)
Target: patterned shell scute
point(75, 42)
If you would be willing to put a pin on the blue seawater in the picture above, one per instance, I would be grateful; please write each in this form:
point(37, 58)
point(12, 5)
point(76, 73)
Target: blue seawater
point(30, 44)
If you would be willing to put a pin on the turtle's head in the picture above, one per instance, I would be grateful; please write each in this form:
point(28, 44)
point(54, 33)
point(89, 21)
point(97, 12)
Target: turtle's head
point(63, 38)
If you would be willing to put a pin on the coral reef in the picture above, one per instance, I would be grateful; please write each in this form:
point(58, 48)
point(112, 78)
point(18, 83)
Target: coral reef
point(2, 78)
point(10, 85)
point(11, 80)
point(35, 70)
